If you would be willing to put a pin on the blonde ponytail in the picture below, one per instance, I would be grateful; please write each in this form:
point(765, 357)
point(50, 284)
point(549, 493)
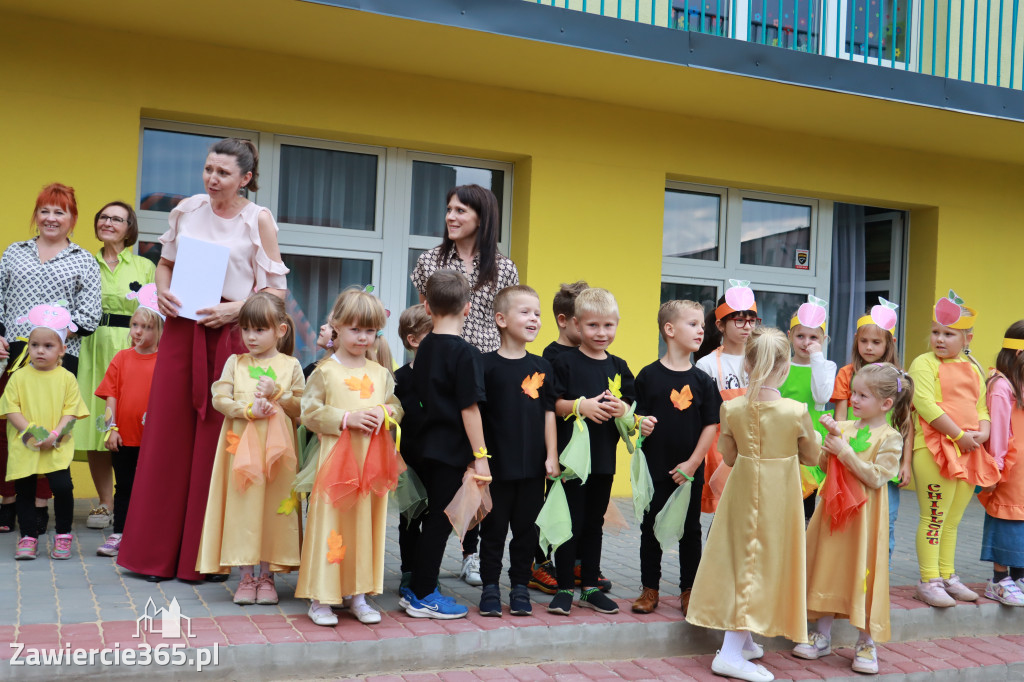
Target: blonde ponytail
point(767, 357)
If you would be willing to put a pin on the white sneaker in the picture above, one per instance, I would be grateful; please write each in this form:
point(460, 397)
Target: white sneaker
point(366, 614)
point(321, 614)
point(750, 672)
point(956, 589)
point(99, 518)
point(471, 570)
point(865, 659)
point(819, 646)
point(1005, 592)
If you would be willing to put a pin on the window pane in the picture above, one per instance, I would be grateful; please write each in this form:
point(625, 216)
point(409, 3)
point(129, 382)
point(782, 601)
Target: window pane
point(772, 233)
point(693, 15)
point(313, 284)
point(797, 28)
point(412, 296)
point(873, 31)
point(705, 294)
point(172, 167)
point(691, 225)
point(327, 188)
point(877, 250)
point(430, 184)
point(776, 309)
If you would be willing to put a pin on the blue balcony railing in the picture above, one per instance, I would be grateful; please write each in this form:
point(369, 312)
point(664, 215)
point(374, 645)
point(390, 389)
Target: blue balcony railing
point(972, 40)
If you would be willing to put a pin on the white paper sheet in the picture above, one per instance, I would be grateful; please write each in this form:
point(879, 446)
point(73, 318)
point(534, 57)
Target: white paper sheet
point(198, 276)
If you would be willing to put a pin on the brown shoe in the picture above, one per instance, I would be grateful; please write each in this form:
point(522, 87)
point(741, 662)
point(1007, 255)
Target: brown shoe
point(646, 602)
point(684, 601)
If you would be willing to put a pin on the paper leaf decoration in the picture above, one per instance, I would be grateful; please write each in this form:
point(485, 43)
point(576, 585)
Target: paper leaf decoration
point(288, 504)
point(368, 288)
point(884, 314)
point(257, 372)
point(233, 440)
point(682, 399)
point(364, 386)
point(34, 435)
point(615, 385)
point(532, 383)
point(335, 548)
point(739, 296)
point(954, 298)
point(103, 423)
point(813, 313)
point(862, 441)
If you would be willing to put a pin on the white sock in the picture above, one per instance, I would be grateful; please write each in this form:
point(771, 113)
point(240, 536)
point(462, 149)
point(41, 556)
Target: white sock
point(358, 601)
point(865, 638)
point(732, 646)
point(314, 604)
point(824, 626)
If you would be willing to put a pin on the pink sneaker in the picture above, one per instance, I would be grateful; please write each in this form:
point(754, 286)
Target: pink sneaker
point(957, 590)
point(61, 546)
point(266, 593)
point(27, 548)
point(245, 593)
point(111, 546)
point(933, 593)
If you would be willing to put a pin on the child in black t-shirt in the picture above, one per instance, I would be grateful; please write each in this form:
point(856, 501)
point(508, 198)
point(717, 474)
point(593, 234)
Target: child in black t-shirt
point(448, 378)
point(683, 403)
point(519, 425)
point(593, 384)
point(413, 325)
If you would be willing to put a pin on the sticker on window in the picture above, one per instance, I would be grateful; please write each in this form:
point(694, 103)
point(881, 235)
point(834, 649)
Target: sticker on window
point(803, 259)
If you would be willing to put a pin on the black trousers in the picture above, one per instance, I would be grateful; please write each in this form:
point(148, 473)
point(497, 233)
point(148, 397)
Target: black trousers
point(408, 538)
point(587, 506)
point(689, 544)
point(539, 555)
point(63, 502)
point(125, 461)
point(516, 505)
point(442, 482)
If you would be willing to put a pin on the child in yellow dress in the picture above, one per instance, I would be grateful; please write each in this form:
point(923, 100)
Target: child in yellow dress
point(847, 552)
point(751, 576)
point(350, 401)
point(258, 393)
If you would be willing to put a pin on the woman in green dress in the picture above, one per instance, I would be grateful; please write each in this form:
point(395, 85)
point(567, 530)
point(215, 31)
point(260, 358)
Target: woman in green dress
point(118, 228)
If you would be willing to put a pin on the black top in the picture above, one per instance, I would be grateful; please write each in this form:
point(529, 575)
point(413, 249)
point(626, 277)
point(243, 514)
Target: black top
point(448, 377)
point(679, 424)
point(519, 395)
point(553, 350)
point(414, 417)
point(578, 375)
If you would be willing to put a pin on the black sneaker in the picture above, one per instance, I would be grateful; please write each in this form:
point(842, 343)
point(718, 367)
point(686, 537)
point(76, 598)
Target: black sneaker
point(593, 598)
point(490, 601)
point(561, 603)
point(42, 520)
point(603, 584)
point(519, 601)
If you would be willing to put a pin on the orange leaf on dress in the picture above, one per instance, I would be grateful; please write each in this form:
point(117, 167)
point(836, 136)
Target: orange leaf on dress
point(364, 385)
point(532, 383)
point(233, 439)
point(682, 399)
point(335, 548)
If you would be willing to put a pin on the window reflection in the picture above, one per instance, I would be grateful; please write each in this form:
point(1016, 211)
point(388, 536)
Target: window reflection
point(773, 232)
point(172, 167)
point(776, 308)
point(691, 225)
point(327, 188)
point(430, 184)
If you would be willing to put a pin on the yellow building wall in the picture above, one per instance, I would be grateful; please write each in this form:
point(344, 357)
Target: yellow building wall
point(589, 177)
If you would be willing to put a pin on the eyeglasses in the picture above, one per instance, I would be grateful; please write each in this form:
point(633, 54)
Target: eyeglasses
point(742, 322)
point(117, 220)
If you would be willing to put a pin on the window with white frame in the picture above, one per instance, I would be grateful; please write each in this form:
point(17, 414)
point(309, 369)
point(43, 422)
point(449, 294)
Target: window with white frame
point(781, 244)
point(348, 214)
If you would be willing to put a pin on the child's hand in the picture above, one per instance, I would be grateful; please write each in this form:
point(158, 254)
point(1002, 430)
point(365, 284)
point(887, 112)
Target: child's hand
point(833, 444)
point(595, 409)
point(684, 468)
point(365, 420)
point(48, 443)
point(113, 441)
point(483, 470)
point(906, 472)
point(967, 442)
point(265, 387)
point(830, 425)
point(551, 467)
point(813, 347)
point(647, 426)
point(989, 488)
point(263, 408)
point(617, 407)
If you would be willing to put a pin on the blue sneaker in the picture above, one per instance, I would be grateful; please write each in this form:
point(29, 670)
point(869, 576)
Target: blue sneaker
point(434, 605)
point(406, 597)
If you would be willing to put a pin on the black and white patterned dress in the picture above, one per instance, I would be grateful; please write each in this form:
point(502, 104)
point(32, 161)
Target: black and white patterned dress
point(72, 275)
point(480, 329)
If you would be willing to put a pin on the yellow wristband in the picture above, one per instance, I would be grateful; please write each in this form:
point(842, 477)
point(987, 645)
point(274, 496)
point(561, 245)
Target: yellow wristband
point(959, 435)
point(481, 453)
point(248, 412)
point(576, 407)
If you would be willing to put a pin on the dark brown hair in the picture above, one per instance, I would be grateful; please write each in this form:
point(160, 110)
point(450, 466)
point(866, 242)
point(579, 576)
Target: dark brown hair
point(447, 292)
point(414, 321)
point(246, 155)
point(267, 311)
point(132, 235)
point(485, 204)
point(565, 299)
point(1010, 363)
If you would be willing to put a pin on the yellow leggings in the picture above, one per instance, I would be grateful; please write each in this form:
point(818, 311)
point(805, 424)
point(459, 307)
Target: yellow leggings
point(942, 501)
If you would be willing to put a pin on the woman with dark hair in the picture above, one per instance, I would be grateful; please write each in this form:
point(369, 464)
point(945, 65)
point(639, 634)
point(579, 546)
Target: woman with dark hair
point(165, 517)
point(117, 228)
point(470, 246)
point(45, 269)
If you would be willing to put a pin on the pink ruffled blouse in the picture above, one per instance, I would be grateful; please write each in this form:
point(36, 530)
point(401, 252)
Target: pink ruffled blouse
point(249, 267)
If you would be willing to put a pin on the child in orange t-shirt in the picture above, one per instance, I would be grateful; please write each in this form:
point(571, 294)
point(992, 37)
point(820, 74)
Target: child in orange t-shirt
point(125, 387)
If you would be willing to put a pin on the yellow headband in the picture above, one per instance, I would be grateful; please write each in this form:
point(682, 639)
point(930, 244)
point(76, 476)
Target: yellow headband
point(794, 321)
point(1013, 344)
point(966, 320)
point(865, 320)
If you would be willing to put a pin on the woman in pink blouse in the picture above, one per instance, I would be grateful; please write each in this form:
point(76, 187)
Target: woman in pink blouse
point(161, 535)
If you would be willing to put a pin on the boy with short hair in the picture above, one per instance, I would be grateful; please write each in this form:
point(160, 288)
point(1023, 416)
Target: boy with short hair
point(519, 424)
point(413, 325)
point(592, 384)
point(448, 379)
point(681, 404)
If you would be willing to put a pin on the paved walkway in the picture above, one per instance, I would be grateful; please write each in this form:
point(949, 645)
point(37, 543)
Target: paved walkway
point(91, 589)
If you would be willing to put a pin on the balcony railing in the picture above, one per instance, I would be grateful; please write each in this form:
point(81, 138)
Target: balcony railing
point(982, 42)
